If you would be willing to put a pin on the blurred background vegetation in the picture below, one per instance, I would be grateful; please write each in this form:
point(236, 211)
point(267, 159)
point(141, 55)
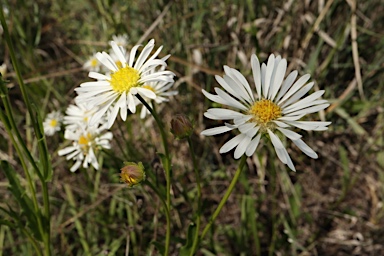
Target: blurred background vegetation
point(330, 206)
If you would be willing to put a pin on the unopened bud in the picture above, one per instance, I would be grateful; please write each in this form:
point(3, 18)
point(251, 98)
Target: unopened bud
point(181, 127)
point(132, 173)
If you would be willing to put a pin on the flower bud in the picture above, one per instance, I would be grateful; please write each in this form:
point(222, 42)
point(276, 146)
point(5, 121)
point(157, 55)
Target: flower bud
point(181, 127)
point(132, 173)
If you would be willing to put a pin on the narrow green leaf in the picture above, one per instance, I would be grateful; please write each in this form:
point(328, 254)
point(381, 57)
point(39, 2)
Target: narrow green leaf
point(23, 199)
point(186, 249)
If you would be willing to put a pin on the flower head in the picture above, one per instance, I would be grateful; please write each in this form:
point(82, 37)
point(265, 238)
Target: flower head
point(181, 127)
point(78, 116)
point(92, 64)
point(86, 143)
point(115, 91)
point(161, 90)
point(121, 40)
point(52, 123)
point(132, 173)
point(273, 111)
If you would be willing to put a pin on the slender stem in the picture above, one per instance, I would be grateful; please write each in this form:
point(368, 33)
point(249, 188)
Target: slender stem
point(198, 221)
point(225, 197)
point(167, 214)
point(167, 168)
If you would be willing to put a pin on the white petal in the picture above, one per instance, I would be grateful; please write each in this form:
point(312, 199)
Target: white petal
point(229, 100)
point(290, 118)
point(290, 134)
point(118, 53)
point(285, 158)
point(297, 95)
point(295, 87)
point(112, 116)
point(131, 103)
point(275, 140)
point(305, 148)
point(122, 103)
point(132, 55)
point(309, 98)
point(233, 88)
point(216, 130)
point(286, 85)
point(278, 79)
point(243, 145)
point(235, 78)
point(146, 93)
point(309, 110)
point(223, 114)
point(98, 76)
point(75, 166)
point(256, 74)
point(144, 55)
point(229, 145)
point(268, 75)
point(253, 145)
point(213, 97)
point(281, 124)
point(66, 150)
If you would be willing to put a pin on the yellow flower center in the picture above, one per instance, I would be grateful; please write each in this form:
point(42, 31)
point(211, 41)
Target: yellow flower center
point(94, 62)
point(264, 112)
point(53, 123)
point(84, 142)
point(124, 79)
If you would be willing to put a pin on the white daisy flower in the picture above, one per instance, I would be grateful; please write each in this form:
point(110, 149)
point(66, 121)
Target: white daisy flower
point(160, 88)
point(86, 143)
point(273, 111)
point(121, 40)
point(52, 123)
point(78, 116)
point(92, 64)
point(115, 91)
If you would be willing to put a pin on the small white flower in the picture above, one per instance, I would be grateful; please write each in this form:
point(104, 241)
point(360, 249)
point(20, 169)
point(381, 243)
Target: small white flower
point(78, 116)
point(116, 91)
point(121, 40)
point(52, 123)
point(92, 64)
point(160, 88)
point(3, 69)
point(86, 143)
point(276, 108)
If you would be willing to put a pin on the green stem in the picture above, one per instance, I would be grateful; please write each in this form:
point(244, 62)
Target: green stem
point(167, 214)
point(225, 197)
point(198, 221)
point(167, 168)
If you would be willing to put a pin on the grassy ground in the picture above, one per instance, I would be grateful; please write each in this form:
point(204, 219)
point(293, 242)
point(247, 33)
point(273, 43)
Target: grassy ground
point(330, 206)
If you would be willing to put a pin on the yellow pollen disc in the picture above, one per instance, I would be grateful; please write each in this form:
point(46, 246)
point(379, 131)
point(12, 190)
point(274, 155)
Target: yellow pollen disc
point(53, 122)
point(94, 62)
point(83, 140)
point(265, 111)
point(124, 79)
